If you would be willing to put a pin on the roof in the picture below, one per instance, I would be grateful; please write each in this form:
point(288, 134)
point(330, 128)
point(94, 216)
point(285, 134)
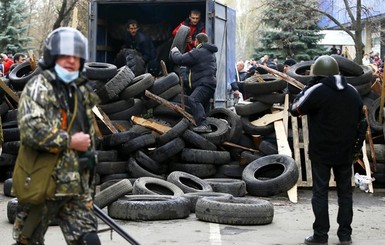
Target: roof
point(336, 37)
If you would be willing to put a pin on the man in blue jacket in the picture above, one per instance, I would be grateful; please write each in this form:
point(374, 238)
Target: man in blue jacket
point(336, 122)
point(201, 74)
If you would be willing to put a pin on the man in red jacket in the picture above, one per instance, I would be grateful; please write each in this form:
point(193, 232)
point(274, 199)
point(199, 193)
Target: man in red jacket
point(196, 27)
point(7, 62)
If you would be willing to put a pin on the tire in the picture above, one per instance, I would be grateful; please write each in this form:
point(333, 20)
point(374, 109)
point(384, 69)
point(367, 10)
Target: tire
point(137, 171)
point(146, 162)
point(154, 186)
point(116, 106)
point(198, 141)
point(235, 210)
point(203, 170)
point(270, 175)
point(137, 143)
point(220, 130)
point(195, 196)
point(347, 67)
point(112, 193)
point(180, 38)
point(232, 119)
point(246, 109)
point(167, 150)
point(12, 210)
point(103, 156)
point(136, 110)
point(149, 207)
point(235, 187)
point(7, 188)
point(188, 182)
point(205, 156)
point(174, 132)
point(111, 90)
point(116, 139)
point(21, 74)
point(100, 70)
point(162, 84)
point(250, 129)
point(373, 116)
point(271, 84)
point(105, 168)
point(138, 86)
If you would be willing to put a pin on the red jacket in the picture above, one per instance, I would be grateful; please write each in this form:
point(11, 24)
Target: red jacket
point(194, 30)
point(7, 64)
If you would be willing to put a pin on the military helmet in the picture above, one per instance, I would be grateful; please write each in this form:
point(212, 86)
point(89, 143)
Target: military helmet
point(64, 41)
point(325, 66)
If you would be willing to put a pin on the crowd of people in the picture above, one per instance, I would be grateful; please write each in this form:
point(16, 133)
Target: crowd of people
point(9, 62)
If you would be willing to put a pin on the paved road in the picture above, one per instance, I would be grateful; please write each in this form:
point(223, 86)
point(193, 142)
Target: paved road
point(292, 222)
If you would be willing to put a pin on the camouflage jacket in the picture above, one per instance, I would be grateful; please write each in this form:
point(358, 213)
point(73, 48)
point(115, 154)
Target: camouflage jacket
point(41, 119)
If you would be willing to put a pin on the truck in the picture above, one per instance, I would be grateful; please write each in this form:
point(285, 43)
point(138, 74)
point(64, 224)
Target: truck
point(158, 18)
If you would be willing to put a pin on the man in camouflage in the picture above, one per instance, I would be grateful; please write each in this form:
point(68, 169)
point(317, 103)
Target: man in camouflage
point(55, 115)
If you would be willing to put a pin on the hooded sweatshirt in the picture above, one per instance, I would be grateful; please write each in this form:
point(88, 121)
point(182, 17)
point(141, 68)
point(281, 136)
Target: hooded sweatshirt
point(334, 110)
point(201, 65)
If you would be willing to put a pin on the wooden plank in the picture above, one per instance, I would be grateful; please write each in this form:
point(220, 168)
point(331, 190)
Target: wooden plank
point(267, 119)
point(160, 128)
point(105, 119)
point(9, 91)
point(305, 136)
point(367, 166)
point(286, 114)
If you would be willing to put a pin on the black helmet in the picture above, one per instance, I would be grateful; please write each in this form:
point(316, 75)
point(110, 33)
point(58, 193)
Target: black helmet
point(325, 66)
point(64, 41)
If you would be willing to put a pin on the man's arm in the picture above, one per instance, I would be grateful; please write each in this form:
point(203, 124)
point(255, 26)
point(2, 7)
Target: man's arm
point(305, 101)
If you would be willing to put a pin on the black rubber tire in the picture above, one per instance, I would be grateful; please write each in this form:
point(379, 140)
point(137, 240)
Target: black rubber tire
point(11, 134)
point(235, 187)
point(195, 196)
point(271, 84)
point(7, 160)
point(103, 156)
point(364, 89)
point(111, 90)
point(138, 86)
point(137, 143)
point(164, 83)
point(298, 70)
point(149, 207)
point(155, 186)
point(180, 38)
point(100, 70)
point(366, 77)
point(11, 147)
point(373, 116)
point(3, 108)
point(174, 132)
point(12, 210)
point(347, 67)
point(117, 106)
point(166, 151)
point(270, 175)
point(109, 177)
point(268, 148)
point(270, 99)
point(220, 130)
point(111, 167)
point(198, 141)
point(21, 74)
point(203, 170)
point(167, 95)
point(112, 193)
point(146, 162)
point(251, 129)
point(205, 156)
point(233, 120)
point(116, 139)
point(7, 188)
point(246, 109)
point(137, 171)
point(235, 210)
point(136, 110)
point(188, 182)
point(232, 170)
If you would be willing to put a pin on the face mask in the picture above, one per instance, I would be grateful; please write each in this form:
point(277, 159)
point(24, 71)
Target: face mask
point(66, 76)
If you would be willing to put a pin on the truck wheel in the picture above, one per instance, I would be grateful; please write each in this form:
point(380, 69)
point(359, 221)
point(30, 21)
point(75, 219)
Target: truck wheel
point(235, 210)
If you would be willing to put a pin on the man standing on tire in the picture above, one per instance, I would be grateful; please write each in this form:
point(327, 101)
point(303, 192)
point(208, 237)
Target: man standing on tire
point(55, 116)
point(196, 27)
point(336, 126)
point(201, 66)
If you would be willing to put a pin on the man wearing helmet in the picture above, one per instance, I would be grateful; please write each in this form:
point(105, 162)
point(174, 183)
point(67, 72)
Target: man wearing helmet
point(55, 116)
point(335, 117)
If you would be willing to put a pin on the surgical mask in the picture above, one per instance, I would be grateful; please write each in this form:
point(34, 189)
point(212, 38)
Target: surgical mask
point(65, 75)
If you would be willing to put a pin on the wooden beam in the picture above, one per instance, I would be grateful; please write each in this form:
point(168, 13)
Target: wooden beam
point(105, 119)
point(156, 126)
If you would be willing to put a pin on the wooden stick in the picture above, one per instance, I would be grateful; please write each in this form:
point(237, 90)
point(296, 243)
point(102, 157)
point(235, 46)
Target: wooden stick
point(164, 68)
point(105, 119)
point(239, 146)
point(370, 140)
point(160, 128)
point(170, 105)
point(32, 60)
point(283, 76)
point(9, 91)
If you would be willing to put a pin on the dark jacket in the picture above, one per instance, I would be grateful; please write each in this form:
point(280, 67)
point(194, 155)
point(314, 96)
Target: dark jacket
point(334, 110)
point(237, 85)
point(142, 44)
point(201, 65)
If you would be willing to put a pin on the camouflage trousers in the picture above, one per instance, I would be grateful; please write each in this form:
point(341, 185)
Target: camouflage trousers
point(74, 215)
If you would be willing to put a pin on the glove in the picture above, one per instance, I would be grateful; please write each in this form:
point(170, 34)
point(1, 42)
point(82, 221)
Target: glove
point(174, 49)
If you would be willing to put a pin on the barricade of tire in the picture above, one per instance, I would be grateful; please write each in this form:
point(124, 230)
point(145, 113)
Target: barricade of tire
point(146, 158)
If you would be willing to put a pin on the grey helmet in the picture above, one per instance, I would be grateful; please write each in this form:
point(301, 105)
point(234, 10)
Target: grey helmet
point(64, 41)
point(325, 66)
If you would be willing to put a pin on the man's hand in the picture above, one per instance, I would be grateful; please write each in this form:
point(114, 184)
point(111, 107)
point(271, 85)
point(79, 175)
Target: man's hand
point(80, 141)
point(174, 49)
point(189, 39)
point(236, 93)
